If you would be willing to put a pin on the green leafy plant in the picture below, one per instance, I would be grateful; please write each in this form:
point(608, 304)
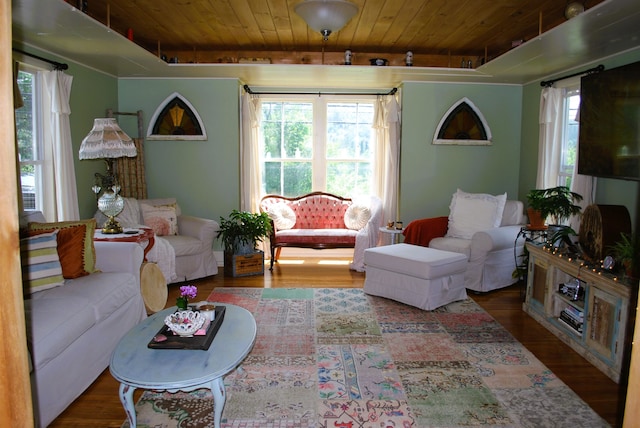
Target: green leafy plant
point(241, 232)
point(559, 203)
point(626, 252)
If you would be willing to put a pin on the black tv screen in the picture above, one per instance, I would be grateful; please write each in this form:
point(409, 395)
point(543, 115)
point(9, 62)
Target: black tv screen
point(609, 141)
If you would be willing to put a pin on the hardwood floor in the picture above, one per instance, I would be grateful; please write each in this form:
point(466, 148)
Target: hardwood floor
point(99, 406)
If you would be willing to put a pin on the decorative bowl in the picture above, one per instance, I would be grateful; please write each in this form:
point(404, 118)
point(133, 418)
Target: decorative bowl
point(184, 323)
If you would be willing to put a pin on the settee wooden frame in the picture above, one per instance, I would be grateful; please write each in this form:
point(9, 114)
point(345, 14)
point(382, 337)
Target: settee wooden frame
point(276, 248)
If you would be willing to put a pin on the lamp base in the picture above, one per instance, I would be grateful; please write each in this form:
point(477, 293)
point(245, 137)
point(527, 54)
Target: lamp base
point(111, 226)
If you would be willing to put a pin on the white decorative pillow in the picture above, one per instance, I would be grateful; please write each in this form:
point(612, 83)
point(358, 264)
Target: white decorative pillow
point(357, 216)
point(162, 219)
point(474, 212)
point(282, 215)
point(41, 268)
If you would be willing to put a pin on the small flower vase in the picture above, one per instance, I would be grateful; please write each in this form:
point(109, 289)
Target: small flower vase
point(182, 303)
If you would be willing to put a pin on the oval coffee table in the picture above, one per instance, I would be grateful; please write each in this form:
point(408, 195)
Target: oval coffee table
point(135, 365)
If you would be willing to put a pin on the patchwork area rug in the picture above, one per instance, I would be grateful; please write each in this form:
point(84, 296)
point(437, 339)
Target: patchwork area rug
point(340, 358)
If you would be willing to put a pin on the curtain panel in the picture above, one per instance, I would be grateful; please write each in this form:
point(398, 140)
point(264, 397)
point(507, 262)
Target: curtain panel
point(250, 168)
point(550, 151)
point(387, 170)
point(60, 195)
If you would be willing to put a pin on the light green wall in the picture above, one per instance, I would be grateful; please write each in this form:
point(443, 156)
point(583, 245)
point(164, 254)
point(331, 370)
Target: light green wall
point(203, 175)
point(430, 174)
point(608, 191)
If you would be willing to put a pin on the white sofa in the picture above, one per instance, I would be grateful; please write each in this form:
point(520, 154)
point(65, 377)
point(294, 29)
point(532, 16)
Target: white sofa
point(491, 253)
point(72, 329)
point(182, 257)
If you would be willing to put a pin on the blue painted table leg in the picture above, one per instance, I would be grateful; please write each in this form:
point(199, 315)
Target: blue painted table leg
point(219, 398)
point(126, 398)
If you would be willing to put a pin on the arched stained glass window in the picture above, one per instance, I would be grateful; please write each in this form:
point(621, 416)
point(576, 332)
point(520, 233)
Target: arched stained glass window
point(463, 124)
point(176, 119)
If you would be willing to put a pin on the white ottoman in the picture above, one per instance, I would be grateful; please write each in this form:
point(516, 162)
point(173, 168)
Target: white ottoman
point(418, 276)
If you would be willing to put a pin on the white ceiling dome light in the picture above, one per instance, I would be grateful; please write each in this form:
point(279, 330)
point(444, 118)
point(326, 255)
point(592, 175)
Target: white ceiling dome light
point(326, 16)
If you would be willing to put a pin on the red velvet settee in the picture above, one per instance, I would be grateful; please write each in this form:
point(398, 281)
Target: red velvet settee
point(321, 220)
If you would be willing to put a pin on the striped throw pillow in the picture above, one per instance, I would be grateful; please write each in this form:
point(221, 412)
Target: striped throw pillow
point(41, 268)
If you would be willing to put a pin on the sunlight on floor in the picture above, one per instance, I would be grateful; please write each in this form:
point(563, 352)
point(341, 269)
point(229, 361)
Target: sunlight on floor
point(290, 262)
point(336, 262)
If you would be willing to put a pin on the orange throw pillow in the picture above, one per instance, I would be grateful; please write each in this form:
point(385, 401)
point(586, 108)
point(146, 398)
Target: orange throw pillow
point(75, 245)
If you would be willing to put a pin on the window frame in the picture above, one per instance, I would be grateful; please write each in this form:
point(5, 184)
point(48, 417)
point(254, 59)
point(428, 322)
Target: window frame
point(319, 142)
point(39, 159)
point(565, 171)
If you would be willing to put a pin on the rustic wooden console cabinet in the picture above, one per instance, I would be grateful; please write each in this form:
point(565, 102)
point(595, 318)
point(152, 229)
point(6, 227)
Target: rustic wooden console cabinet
point(588, 310)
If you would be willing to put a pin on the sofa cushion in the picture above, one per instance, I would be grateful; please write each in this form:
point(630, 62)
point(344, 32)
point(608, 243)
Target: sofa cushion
point(104, 291)
point(75, 245)
point(53, 323)
point(474, 212)
point(184, 245)
point(416, 261)
point(317, 236)
point(357, 216)
point(513, 213)
point(162, 219)
point(282, 215)
point(41, 268)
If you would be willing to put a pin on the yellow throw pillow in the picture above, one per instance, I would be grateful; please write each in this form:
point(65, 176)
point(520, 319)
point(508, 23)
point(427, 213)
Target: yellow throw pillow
point(75, 245)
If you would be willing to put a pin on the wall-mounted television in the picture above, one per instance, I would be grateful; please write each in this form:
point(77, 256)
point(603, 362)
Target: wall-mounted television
point(609, 141)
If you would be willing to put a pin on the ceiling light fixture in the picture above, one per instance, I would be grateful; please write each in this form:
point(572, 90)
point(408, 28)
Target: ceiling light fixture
point(326, 16)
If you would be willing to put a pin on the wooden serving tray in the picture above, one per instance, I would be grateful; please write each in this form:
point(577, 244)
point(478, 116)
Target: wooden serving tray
point(195, 342)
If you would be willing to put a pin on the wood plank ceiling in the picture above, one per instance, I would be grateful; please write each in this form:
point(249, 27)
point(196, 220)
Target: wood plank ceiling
point(229, 31)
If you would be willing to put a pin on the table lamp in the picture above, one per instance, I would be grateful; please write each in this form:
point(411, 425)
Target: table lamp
point(107, 141)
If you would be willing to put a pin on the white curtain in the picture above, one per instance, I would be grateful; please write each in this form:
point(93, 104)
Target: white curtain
point(250, 172)
point(550, 146)
point(550, 151)
point(387, 123)
point(60, 198)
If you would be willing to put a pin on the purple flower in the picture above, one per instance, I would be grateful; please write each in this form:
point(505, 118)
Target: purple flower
point(188, 291)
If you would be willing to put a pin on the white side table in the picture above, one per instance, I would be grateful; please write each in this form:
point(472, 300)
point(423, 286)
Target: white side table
point(394, 233)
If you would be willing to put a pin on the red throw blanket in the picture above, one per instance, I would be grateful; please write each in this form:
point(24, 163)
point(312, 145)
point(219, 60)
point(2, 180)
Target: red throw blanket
point(421, 232)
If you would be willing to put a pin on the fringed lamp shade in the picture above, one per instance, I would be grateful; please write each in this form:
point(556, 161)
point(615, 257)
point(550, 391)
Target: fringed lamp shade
point(106, 141)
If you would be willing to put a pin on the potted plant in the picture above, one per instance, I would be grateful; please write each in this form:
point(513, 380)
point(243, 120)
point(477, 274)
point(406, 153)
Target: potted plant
point(241, 232)
point(559, 203)
point(626, 252)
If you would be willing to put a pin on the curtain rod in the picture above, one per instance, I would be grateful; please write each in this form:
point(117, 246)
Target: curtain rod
point(248, 89)
point(548, 83)
point(56, 65)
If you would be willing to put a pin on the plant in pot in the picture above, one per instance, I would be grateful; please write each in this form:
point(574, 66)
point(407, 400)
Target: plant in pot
point(559, 203)
point(626, 253)
point(241, 232)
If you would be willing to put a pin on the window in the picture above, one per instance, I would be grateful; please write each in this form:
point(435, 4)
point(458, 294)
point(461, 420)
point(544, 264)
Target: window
point(569, 136)
point(317, 144)
point(28, 128)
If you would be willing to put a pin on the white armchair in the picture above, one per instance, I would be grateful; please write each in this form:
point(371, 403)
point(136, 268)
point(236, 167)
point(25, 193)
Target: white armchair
point(181, 257)
point(491, 253)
